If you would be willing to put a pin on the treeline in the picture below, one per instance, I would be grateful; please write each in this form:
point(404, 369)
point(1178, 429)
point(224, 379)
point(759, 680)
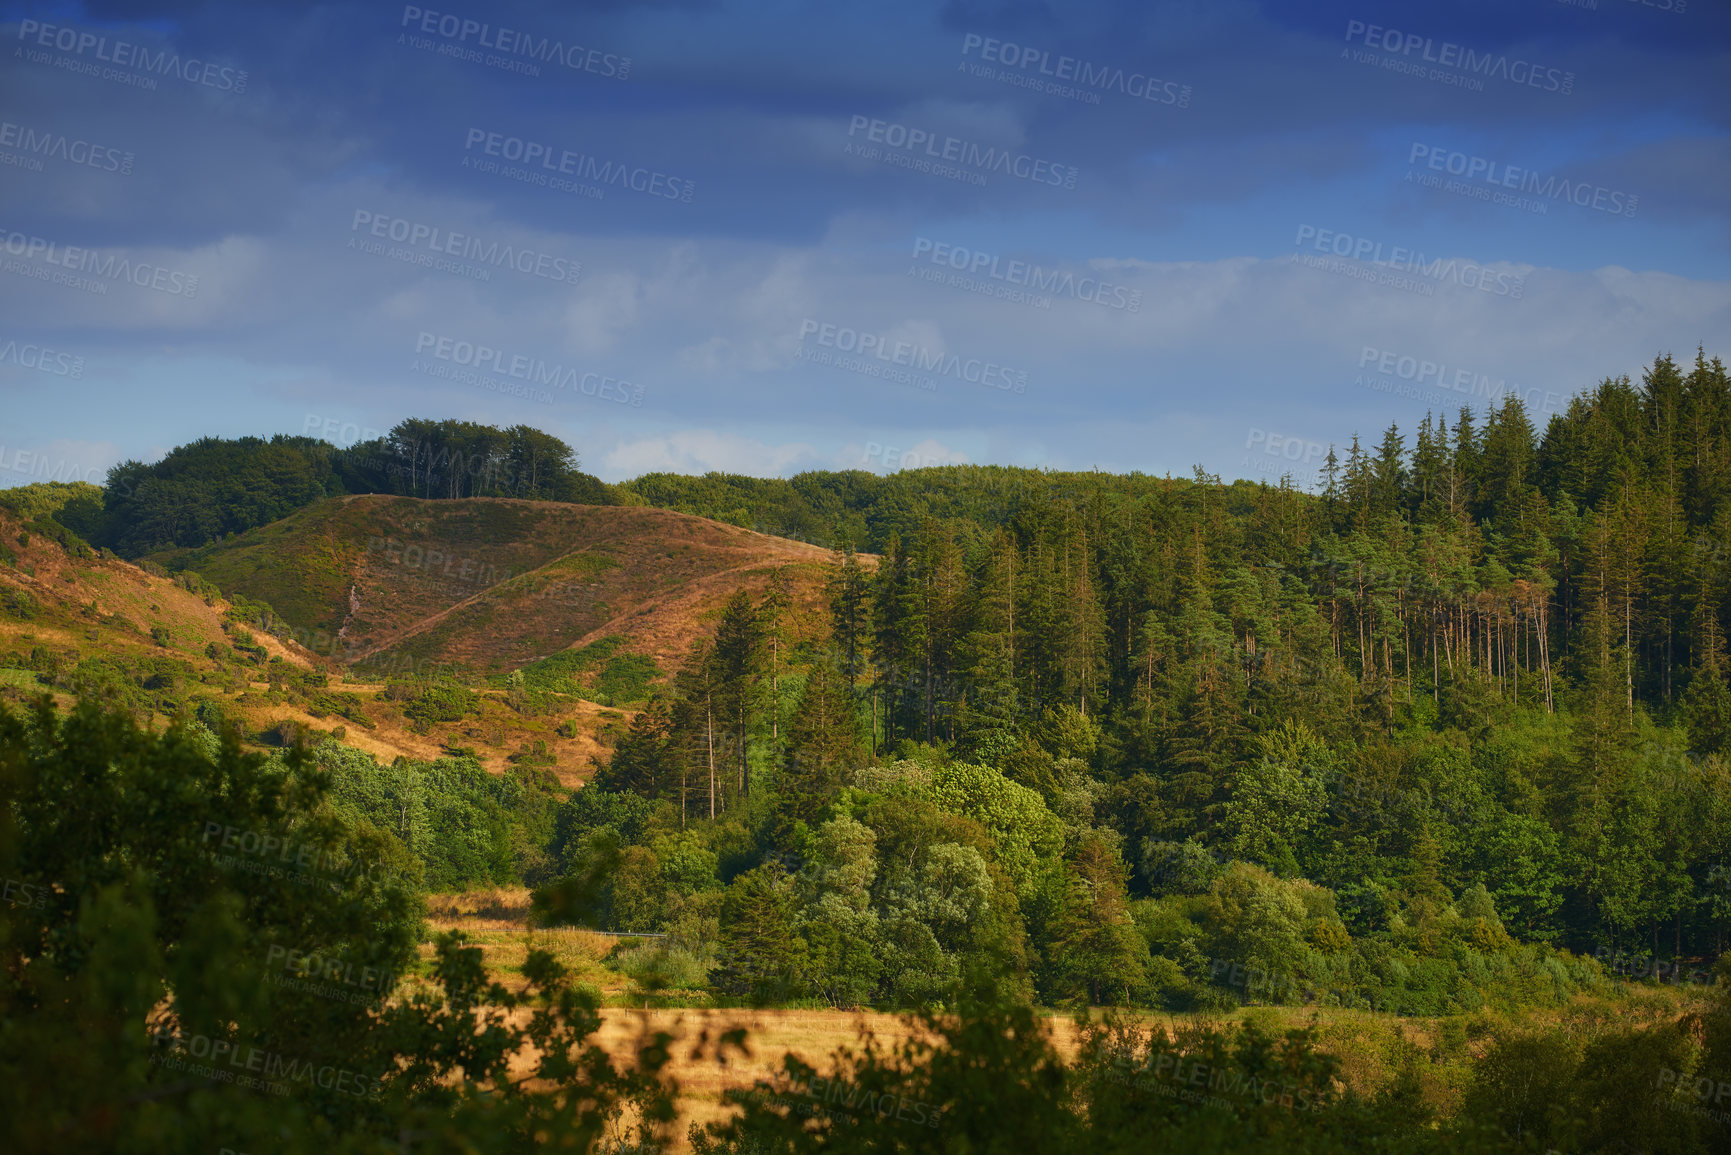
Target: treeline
point(214, 487)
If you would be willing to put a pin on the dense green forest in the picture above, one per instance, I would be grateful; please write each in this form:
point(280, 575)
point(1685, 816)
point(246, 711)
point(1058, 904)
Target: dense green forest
point(1473, 693)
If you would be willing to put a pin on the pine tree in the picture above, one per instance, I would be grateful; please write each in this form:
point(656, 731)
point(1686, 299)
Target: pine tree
point(1463, 476)
point(1331, 490)
point(736, 659)
point(694, 722)
point(1706, 704)
point(772, 615)
point(1358, 484)
point(1388, 473)
point(1505, 461)
point(942, 592)
point(899, 631)
point(823, 738)
point(647, 760)
point(1082, 632)
point(1429, 468)
point(849, 594)
point(988, 654)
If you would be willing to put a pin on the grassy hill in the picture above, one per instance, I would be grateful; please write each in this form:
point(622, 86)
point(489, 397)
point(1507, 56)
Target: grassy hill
point(484, 586)
point(308, 624)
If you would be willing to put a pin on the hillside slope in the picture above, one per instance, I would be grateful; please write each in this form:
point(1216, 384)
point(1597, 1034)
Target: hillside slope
point(69, 603)
point(363, 589)
point(487, 585)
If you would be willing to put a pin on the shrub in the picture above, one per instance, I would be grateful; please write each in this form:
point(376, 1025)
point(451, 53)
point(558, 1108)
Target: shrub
point(655, 965)
point(443, 703)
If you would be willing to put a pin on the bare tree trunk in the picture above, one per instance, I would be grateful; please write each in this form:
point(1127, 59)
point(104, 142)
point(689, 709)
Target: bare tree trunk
point(1629, 648)
point(1406, 628)
point(1545, 652)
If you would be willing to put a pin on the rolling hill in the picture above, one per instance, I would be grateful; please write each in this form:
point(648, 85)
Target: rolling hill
point(321, 613)
point(484, 586)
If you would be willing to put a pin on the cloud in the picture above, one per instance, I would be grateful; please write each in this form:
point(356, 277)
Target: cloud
point(704, 451)
point(60, 459)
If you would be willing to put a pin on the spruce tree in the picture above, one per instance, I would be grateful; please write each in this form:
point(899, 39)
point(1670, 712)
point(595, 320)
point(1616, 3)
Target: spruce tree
point(738, 678)
point(849, 595)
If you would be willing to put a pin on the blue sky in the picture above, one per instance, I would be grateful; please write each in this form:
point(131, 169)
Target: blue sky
point(1147, 236)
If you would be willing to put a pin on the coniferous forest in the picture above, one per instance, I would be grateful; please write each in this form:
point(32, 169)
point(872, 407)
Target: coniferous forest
point(1475, 687)
point(1445, 741)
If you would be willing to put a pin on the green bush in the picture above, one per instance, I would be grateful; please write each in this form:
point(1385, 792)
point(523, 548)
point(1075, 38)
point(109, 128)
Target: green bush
point(443, 702)
point(654, 965)
point(18, 603)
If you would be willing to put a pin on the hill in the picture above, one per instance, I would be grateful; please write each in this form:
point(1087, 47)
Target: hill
point(313, 622)
point(484, 586)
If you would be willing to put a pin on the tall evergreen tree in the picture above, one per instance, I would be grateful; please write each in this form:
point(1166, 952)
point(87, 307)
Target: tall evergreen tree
point(849, 595)
point(738, 678)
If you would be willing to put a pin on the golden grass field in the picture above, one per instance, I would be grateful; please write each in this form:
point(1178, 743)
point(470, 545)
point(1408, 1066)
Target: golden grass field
point(1371, 1046)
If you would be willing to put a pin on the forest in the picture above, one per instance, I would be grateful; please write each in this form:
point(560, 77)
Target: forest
point(1449, 724)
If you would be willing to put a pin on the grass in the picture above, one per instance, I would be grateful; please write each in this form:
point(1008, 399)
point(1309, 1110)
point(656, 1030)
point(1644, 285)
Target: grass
point(1373, 1048)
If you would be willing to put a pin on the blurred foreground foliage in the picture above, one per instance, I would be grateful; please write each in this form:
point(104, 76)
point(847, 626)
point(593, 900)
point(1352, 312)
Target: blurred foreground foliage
point(200, 953)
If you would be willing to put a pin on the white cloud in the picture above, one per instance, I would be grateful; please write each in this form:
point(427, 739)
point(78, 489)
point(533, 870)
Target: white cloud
point(893, 453)
point(705, 450)
point(60, 459)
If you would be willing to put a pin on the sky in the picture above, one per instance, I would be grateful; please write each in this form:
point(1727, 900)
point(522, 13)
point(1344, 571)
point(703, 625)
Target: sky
point(762, 238)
